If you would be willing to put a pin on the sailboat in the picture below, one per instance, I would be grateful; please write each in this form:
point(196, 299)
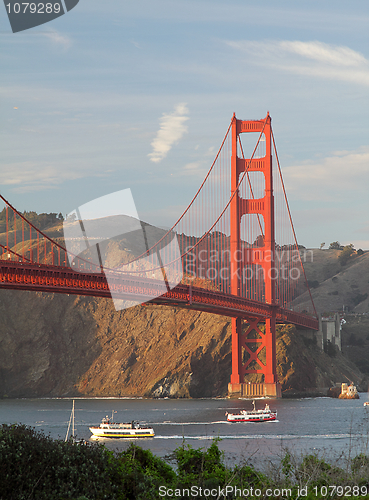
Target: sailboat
point(71, 421)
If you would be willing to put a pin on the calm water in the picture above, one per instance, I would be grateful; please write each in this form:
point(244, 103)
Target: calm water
point(328, 425)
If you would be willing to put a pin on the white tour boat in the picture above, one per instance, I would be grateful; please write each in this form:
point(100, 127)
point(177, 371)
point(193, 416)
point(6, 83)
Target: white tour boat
point(254, 415)
point(110, 429)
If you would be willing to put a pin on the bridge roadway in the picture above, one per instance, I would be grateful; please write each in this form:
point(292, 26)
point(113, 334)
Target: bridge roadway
point(56, 279)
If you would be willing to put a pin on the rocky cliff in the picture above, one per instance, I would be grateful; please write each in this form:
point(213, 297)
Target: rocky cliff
point(59, 345)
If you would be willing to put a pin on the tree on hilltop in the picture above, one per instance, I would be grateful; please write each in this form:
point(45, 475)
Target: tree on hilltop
point(335, 245)
point(346, 253)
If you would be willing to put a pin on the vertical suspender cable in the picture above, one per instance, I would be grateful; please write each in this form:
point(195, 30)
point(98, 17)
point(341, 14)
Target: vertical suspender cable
point(291, 222)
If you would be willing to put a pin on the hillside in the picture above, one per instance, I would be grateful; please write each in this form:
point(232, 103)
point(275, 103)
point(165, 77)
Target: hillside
point(335, 287)
point(58, 345)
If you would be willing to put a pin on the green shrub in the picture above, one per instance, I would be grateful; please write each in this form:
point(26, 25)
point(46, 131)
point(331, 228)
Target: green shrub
point(315, 471)
point(34, 466)
point(141, 473)
point(200, 465)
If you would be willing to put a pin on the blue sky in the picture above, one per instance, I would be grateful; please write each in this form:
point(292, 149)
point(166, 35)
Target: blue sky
point(139, 95)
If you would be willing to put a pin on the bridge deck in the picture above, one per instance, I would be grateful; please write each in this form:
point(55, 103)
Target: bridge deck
point(54, 279)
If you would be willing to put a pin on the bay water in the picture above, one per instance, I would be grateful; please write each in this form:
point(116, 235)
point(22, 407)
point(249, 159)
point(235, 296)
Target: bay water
point(329, 427)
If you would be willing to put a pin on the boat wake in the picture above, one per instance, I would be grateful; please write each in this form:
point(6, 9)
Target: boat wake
point(278, 437)
point(169, 422)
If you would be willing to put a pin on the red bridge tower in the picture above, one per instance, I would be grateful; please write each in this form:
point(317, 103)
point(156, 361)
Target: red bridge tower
point(249, 342)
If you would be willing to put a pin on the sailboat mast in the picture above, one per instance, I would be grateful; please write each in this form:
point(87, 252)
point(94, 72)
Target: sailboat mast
point(73, 419)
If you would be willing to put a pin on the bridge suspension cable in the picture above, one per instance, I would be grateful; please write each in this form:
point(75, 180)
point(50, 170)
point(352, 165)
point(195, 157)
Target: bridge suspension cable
point(202, 232)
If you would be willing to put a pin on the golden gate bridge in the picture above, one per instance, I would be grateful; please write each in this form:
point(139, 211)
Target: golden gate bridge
point(238, 257)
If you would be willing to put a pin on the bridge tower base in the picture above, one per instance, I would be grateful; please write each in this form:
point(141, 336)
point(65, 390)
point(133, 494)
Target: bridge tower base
point(251, 390)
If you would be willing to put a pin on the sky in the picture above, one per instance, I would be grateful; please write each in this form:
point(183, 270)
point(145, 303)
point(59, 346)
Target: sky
point(116, 95)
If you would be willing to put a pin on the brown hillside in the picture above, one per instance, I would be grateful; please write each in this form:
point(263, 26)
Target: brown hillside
point(58, 345)
point(337, 286)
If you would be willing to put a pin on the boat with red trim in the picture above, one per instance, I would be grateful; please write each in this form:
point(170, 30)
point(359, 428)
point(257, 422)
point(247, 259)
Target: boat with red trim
point(265, 415)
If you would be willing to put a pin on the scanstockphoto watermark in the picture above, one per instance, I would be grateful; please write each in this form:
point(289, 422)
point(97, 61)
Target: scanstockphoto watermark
point(249, 273)
point(230, 492)
point(250, 255)
point(25, 15)
point(255, 264)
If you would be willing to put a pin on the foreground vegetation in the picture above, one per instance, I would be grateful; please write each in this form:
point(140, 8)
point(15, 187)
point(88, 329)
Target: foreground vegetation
point(35, 467)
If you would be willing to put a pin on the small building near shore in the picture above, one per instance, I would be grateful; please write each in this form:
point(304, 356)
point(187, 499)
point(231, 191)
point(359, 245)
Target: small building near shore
point(348, 392)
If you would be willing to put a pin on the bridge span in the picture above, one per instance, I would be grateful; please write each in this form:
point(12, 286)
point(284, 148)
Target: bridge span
point(238, 257)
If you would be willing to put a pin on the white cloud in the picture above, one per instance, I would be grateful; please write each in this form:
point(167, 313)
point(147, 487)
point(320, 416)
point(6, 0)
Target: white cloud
point(328, 178)
point(136, 44)
point(192, 166)
point(58, 39)
point(197, 168)
point(322, 52)
point(308, 58)
point(172, 128)
point(28, 176)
